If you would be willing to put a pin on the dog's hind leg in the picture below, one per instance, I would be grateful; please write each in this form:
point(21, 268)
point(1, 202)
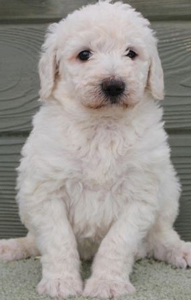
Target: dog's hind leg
point(164, 242)
point(19, 248)
point(166, 245)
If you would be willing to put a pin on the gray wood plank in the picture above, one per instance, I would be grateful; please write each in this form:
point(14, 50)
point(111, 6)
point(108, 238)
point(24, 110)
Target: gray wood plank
point(163, 10)
point(175, 53)
point(14, 11)
point(10, 147)
point(181, 157)
point(10, 225)
point(19, 83)
point(19, 11)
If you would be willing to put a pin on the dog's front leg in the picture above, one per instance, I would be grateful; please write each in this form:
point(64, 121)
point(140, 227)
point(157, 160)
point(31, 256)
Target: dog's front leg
point(57, 245)
point(114, 260)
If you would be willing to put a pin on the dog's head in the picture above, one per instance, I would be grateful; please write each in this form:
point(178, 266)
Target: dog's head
point(101, 56)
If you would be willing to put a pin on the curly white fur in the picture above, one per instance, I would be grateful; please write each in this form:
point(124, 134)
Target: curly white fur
point(96, 178)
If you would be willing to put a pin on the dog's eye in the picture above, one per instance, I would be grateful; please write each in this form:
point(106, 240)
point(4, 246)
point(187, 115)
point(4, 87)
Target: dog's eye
point(84, 55)
point(132, 54)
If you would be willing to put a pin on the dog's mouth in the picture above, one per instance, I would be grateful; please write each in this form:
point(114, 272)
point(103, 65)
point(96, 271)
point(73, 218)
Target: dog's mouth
point(101, 100)
point(109, 102)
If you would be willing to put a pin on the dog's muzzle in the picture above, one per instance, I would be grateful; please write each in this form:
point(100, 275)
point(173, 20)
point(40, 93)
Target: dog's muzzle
point(113, 88)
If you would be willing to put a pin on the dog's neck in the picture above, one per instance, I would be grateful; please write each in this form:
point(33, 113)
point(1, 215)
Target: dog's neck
point(138, 119)
point(139, 113)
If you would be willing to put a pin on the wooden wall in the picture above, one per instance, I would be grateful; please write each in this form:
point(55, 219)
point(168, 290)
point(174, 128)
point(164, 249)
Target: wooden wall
point(22, 28)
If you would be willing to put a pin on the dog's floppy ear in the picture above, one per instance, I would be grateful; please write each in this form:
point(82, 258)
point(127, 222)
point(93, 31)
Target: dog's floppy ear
point(155, 76)
point(47, 64)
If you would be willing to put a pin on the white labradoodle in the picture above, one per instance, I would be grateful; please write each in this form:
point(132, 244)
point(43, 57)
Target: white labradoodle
point(96, 177)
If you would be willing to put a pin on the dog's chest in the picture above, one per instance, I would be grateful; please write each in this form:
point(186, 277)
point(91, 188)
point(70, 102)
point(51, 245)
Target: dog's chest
point(101, 156)
point(97, 192)
point(93, 208)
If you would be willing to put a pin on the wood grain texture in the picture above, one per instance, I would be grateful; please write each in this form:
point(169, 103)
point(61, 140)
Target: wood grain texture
point(15, 11)
point(38, 11)
point(10, 147)
point(175, 52)
point(163, 10)
point(19, 82)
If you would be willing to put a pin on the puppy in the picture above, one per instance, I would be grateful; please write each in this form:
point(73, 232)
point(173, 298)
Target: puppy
point(95, 179)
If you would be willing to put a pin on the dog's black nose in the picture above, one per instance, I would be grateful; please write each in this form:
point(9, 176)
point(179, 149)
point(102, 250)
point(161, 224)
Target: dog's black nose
point(112, 87)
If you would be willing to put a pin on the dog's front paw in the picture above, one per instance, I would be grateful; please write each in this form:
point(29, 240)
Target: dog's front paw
point(103, 288)
point(60, 287)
